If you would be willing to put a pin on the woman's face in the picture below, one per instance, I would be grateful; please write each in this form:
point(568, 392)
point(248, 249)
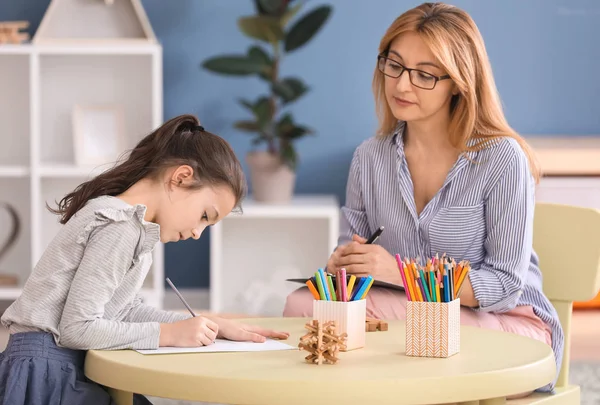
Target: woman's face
point(407, 99)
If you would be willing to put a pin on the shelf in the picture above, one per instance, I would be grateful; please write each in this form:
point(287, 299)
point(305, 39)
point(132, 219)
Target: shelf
point(11, 49)
point(301, 206)
point(102, 47)
point(10, 293)
point(124, 81)
point(567, 156)
point(69, 171)
point(16, 193)
point(14, 171)
point(14, 109)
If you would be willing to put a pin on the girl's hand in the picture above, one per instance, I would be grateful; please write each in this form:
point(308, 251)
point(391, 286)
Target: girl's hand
point(362, 260)
point(232, 330)
point(192, 332)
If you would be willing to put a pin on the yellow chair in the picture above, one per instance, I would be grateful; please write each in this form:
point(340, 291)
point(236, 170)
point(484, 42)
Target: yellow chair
point(567, 240)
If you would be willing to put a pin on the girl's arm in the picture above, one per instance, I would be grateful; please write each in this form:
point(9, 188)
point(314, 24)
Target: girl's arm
point(108, 256)
point(140, 312)
point(498, 283)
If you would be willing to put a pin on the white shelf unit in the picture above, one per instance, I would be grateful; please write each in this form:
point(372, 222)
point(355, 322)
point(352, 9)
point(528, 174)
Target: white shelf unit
point(40, 86)
point(252, 254)
point(570, 190)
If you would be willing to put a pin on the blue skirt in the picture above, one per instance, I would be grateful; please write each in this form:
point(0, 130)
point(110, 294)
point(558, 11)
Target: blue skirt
point(35, 371)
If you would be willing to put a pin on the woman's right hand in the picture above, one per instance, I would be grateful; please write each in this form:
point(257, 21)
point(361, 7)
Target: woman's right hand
point(192, 332)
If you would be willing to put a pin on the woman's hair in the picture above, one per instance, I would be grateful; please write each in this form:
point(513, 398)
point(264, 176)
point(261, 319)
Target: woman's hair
point(179, 141)
point(454, 39)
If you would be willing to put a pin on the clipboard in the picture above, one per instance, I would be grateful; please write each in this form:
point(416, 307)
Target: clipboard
point(376, 283)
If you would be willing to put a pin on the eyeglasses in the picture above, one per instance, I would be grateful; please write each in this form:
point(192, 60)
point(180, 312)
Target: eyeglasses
point(418, 78)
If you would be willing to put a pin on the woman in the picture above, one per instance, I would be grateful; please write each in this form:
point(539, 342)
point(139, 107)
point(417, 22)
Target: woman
point(445, 174)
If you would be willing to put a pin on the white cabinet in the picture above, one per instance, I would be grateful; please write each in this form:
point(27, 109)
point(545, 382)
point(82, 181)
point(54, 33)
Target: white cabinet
point(253, 253)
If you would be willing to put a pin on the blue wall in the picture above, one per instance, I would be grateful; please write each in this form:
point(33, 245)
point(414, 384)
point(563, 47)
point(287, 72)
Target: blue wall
point(544, 54)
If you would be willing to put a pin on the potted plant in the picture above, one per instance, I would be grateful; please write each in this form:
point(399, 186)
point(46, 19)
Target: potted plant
point(270, 123)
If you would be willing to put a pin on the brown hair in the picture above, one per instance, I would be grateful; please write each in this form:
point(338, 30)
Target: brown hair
point(179, 141)
point(453, 37)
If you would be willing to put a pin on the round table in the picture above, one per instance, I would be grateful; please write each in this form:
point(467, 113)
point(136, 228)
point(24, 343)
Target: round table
point(491, 365)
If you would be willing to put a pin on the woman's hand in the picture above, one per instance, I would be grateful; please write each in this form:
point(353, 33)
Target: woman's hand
point(362, 260)
point(192, 332)
point(232, 330)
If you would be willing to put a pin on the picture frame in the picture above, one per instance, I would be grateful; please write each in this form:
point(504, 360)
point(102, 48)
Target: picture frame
point(98, 134)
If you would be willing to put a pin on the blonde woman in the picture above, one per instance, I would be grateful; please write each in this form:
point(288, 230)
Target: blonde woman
point(445, 174)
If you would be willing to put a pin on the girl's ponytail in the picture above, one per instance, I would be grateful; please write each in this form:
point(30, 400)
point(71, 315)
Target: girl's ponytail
point(179, 141)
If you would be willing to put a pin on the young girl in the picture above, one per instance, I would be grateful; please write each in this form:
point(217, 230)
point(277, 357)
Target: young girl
point(446, 174)
point(83, 293)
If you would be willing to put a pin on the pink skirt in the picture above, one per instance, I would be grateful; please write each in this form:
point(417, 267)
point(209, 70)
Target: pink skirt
point(384, 303)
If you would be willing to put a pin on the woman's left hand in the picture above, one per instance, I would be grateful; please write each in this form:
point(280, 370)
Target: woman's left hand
point(362, 260)
point(232, 330)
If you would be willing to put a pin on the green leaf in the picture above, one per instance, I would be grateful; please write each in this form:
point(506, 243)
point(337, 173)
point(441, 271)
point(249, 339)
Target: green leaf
point(298, 132)
point(256, 53)
point(272, 7)
point(247, 126)
point(289, 89)
point(262, 27)
point(246, 104)
point(285, 125)
point(262, 110)
point(306, 28)
point(289, 14)
point(233, 65)
point(288, 155)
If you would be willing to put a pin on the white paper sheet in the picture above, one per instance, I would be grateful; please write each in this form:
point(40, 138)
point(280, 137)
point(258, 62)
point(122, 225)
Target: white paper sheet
point(222, 345)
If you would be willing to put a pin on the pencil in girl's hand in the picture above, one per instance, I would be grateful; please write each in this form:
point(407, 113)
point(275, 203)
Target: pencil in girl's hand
point(180, 297)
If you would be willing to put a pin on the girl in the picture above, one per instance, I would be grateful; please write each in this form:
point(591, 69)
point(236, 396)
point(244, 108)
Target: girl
point(83, 293)
point(446, 174)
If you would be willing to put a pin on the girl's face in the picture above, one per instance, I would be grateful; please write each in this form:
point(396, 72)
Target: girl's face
point(410, 102)
point(185, 213)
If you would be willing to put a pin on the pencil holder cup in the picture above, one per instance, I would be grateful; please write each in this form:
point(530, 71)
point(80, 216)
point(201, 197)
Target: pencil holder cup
point(432, 328)
point(350, 317)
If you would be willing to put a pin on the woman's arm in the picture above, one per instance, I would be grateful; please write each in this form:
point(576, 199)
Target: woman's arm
point(497, 284)
point(353, 220)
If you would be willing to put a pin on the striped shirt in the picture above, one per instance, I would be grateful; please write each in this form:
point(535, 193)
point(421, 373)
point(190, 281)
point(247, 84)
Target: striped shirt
point(84, 289)
point(482, 213)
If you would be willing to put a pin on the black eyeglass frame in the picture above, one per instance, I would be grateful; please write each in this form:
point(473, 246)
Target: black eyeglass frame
point(404, 68)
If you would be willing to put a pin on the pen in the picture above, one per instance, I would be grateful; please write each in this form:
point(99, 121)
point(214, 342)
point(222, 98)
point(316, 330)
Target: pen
point(180, 297)
point(375, 236)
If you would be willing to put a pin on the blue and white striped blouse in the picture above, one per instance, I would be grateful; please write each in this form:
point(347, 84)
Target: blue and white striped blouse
point(482, 213)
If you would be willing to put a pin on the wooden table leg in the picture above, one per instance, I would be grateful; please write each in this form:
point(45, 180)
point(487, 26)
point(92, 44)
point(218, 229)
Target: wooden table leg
point(493, 401)
point(121, 397)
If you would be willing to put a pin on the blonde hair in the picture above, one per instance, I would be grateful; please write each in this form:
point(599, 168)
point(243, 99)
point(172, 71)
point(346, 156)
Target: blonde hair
point(455, 40)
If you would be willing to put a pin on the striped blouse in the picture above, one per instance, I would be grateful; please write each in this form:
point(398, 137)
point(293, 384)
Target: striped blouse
point(482, 213)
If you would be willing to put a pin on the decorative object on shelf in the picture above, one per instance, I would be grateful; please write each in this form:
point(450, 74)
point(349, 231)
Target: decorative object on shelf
point(373, 325)
point(272, 172)
point(124, 21)
point(98, 133)
point(10, 32)
point(322, 342)
point(13, 235)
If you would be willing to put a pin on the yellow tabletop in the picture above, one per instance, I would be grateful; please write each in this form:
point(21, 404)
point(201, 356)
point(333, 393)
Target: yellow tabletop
point(490, 365)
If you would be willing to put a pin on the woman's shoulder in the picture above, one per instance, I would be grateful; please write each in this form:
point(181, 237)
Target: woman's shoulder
point(376, 146)
point(503, 154)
